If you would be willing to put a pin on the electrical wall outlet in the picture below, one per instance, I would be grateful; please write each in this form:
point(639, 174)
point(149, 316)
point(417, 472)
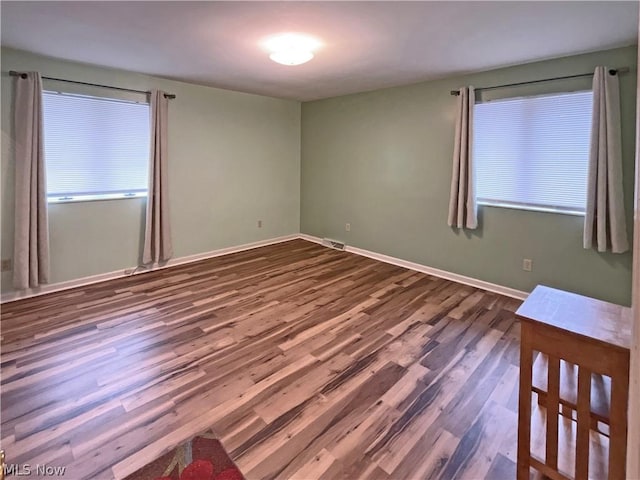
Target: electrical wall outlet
point(259, 223)
point(527, 264)
point(5, 265)
point(347, 227)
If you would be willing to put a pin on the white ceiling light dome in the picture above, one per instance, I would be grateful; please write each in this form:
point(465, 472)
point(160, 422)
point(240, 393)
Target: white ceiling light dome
point(291, 48)
point(291, 57)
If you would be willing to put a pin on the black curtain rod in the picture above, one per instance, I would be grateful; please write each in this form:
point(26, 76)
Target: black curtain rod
point(611, 72)
point(24, 75)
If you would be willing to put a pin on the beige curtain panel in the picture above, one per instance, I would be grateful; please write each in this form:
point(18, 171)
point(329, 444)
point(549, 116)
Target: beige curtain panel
point(157, 234)
point(605, 221)
point(462, 200)
point(31, 230)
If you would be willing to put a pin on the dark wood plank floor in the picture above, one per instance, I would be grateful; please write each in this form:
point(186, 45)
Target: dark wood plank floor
point(307, 363)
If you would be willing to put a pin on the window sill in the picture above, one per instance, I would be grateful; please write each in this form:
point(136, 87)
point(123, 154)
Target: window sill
point(532, 208)
point(96, 198)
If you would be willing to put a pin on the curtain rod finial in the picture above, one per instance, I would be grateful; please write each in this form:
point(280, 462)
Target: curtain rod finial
point(13, 73)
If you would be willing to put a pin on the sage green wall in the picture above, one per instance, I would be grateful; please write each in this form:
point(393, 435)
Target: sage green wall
point(234, 158)
point(378, 160)
point(381, 161)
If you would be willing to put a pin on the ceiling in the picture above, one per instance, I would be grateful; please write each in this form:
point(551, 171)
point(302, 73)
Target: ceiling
point(367, 45)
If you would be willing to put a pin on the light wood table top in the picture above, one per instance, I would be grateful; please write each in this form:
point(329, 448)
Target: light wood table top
point(595, 320)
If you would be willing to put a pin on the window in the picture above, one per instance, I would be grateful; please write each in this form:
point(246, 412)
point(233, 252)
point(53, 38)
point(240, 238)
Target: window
point(533, 152)
point(95, 148)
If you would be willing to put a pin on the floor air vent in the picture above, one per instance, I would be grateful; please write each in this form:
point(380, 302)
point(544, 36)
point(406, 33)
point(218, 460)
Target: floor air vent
point(333, 244)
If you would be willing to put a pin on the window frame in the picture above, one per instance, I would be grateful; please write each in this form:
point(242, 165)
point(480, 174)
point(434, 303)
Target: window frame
point(527, 206)
point(93, 197)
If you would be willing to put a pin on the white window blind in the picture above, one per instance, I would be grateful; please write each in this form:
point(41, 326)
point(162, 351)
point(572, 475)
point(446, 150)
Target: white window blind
point(95, 147)
point(533, 152)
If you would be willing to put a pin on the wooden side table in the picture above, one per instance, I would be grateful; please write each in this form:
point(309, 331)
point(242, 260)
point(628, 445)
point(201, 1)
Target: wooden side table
point(593, 338)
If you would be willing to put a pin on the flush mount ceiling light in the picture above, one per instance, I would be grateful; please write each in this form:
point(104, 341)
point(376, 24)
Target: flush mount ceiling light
point(291, 48)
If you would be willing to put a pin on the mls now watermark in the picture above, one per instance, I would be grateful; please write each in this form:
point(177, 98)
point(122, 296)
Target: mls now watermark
point(26, 469)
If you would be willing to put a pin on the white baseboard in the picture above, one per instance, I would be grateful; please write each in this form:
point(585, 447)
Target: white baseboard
point(436, 272)
point(79, 282)
point(228, 250)
point(310, 238)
